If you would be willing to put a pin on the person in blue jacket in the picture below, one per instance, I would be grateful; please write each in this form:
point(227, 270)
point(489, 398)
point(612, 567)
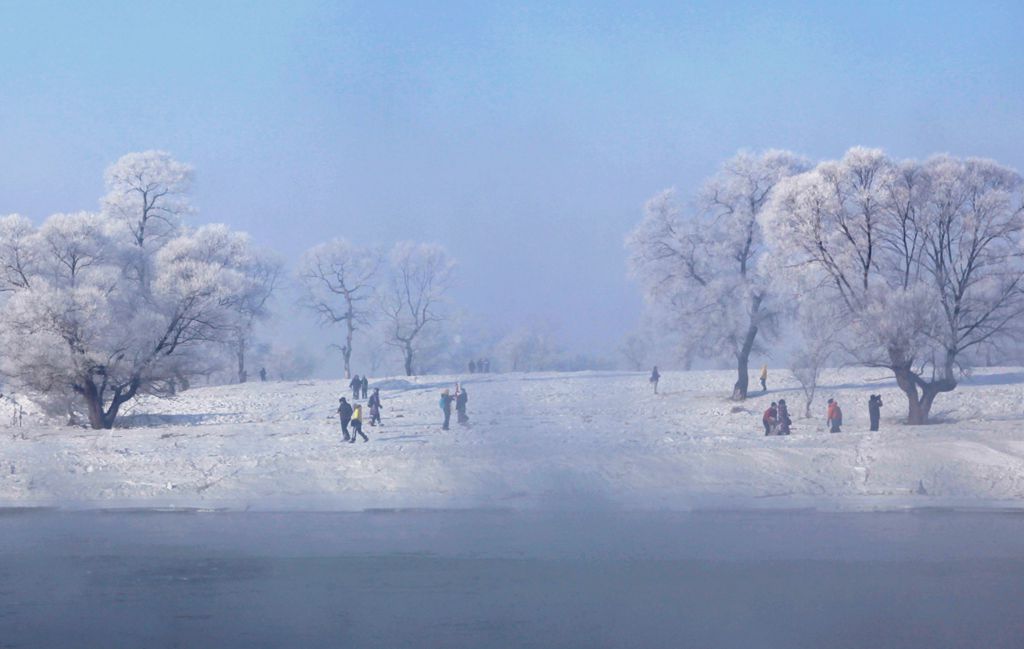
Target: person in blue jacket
point(446, 408)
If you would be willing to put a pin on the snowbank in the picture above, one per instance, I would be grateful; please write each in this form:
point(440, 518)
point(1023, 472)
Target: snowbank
point(537, 440)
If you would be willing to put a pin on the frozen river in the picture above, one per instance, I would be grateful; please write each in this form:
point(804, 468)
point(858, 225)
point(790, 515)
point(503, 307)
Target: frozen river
point(748, 580)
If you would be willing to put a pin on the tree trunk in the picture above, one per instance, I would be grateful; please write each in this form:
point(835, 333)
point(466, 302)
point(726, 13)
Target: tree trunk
point(94, 406)
point(100, 419)
point(739, 391)
point(906, 380)
point(809, 399)
point(111, 414)
point(240, 354)
point(920, 394)
point(346, 351)
point(408, 359)
point(183, 381)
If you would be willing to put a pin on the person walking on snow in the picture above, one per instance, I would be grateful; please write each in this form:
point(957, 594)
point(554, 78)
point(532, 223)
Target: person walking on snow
point(784, 421)
point(764, 378)
point(357, 424)
point(356, 384)
point(769, 418)
point(875, 410)
point(345, 414)
point(461, 399)
point(365, 385)
point(835, 416)
point(446, 408)
point(655, 377)
point(375, 407)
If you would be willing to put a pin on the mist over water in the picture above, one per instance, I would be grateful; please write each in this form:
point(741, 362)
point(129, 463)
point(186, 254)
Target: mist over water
point(502, 578)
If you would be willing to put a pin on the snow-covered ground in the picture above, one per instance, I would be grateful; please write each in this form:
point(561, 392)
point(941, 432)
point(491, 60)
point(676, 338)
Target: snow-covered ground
point(537, 440)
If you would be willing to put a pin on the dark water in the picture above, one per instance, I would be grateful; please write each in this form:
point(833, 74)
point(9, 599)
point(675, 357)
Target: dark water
point(500, 579)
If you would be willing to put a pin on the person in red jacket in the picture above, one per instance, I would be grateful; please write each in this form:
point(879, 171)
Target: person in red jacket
point(834, 416)
point(769, 419)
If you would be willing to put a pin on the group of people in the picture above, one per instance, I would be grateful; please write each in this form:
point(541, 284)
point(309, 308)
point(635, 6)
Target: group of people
point(482, 366)
point(776, 419)
point(460, 399)
point(359, 385)
point(351, 414)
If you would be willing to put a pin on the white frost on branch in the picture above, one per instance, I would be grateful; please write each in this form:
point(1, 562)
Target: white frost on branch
point(702, 270)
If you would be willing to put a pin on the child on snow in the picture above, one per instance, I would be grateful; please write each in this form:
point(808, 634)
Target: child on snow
point(357, 424)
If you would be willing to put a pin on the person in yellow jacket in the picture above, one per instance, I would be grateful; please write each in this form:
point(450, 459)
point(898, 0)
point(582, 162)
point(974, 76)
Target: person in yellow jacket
point(764, 378)
point(357, 424)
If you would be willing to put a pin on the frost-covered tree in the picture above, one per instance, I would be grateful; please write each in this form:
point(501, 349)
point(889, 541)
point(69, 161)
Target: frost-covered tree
point(702, 270)
point(17, 254)
point(922, 260)
point(819, 331)
point(261, 272)
point(80, 320)
point(286, 362)
point(636, 349)
point(530, 349)
point(148, 193)
point(339, 281)
point(414, 297)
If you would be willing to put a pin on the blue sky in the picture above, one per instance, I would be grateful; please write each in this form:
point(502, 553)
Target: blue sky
point(523, 136)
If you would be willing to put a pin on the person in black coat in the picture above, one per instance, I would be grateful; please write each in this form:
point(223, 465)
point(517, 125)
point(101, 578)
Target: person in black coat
point(784, 421)
point(365, 385)
point(461, 399)
point(345, 414)
point(375, 407)
point(655, 377)
point(875, 410)
point(356, 384)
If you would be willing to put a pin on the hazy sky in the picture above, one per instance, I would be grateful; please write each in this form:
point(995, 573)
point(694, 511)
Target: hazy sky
point(524, 137)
